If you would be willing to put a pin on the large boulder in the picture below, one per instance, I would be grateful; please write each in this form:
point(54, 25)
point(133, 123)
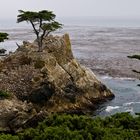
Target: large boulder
point(50, 81)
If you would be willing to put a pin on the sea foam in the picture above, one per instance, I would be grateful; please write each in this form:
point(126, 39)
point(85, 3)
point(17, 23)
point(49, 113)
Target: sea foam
point(130, 103)
point(111, 108)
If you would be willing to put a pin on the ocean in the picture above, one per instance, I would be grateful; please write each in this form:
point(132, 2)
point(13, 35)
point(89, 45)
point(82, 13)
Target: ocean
point(102, 45)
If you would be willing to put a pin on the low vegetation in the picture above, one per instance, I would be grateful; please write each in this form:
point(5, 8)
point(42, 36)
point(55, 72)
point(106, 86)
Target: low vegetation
point(3, 36)
point(4, 95)
point(67, 127)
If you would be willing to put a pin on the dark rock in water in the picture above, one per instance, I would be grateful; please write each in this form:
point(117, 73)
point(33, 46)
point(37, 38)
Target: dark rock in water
point(49, 81)
point(2, 51)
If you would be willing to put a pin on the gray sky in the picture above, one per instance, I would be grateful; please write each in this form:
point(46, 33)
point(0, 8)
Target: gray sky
point(73, 8)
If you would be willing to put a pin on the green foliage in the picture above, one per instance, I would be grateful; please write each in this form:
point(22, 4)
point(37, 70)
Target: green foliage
point(50, 27)
point(66, 127)
point(134, 57)
point(3, 36)
point(4, 94)
point(43, 23)
point(8, 137)
point(39, 64)
point(118, 127)
point(28, 16)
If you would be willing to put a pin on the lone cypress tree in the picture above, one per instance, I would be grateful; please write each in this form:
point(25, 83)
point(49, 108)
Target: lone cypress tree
point(43, 23)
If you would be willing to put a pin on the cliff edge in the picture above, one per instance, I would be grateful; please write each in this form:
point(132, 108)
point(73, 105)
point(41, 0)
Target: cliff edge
point(40, 83)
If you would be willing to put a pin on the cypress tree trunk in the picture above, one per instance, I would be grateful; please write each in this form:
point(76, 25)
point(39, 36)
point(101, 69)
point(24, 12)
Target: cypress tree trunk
point(39, 40)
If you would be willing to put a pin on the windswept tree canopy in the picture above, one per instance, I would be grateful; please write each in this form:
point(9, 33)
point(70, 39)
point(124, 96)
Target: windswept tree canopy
point(43, 23)
point(40, 16)
point(3, 36)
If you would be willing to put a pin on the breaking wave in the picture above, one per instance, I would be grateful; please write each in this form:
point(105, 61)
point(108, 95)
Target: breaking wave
point(118, 78)
point(111, 108)
point(126, 107)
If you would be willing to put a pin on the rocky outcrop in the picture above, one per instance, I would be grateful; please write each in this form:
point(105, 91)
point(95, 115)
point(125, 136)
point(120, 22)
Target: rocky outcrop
point(46, 82)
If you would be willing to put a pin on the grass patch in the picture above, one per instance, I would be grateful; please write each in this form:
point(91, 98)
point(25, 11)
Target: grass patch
point(4, 94)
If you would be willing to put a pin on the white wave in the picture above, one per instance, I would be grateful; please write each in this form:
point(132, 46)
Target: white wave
point(118, 78)
point(106, 77)
point(125, 78)
point(130, 103)
point(111, 108)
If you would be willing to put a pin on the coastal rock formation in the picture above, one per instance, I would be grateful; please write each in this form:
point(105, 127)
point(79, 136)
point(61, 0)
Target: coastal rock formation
point(46, 82)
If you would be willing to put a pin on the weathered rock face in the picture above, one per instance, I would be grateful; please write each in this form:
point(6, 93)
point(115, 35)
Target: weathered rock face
point(50, 81)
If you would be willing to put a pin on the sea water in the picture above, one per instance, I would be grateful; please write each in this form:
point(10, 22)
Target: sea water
point(127, 96)
point(101, 45)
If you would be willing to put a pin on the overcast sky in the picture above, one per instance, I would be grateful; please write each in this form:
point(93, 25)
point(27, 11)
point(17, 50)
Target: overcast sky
point(73, 8)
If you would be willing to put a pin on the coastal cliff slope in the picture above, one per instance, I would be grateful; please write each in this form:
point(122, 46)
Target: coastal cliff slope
point(41, 83)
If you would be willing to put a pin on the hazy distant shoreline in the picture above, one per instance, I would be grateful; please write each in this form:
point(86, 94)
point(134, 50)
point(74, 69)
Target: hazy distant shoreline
point(125, 22)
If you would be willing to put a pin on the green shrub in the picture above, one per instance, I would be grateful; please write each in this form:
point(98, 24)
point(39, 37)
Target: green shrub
point(4, 94)
point(72, 127)
point(39, 64)
point(8, 137)
point(57, 127)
